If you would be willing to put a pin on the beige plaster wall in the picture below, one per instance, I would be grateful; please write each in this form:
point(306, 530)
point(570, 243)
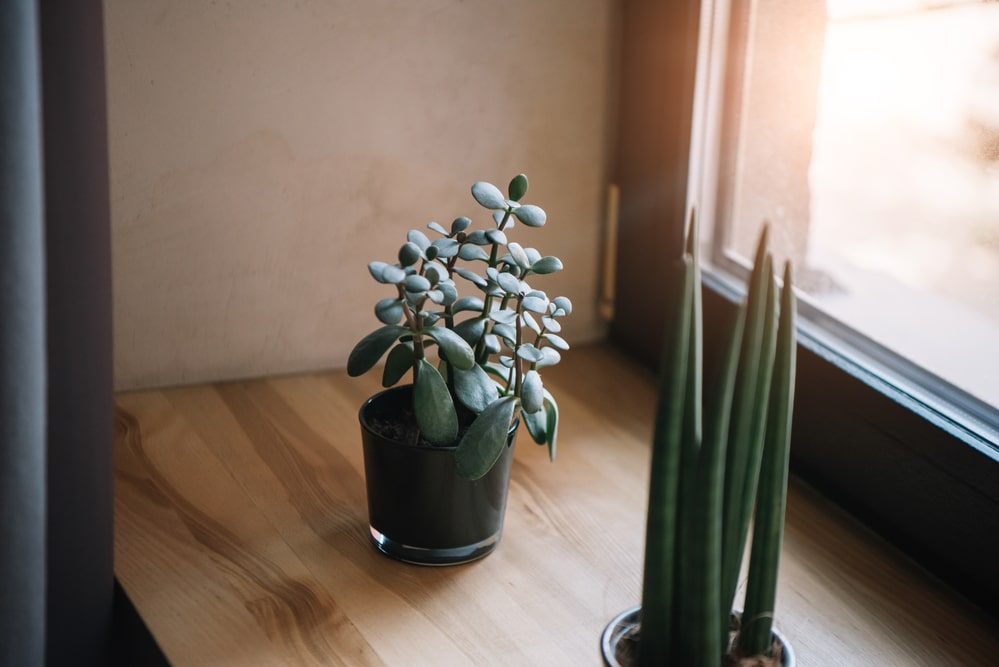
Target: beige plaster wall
point(263, 152)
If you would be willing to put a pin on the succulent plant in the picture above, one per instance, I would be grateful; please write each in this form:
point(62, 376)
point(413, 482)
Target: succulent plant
point(720, 449)
point(490, 345)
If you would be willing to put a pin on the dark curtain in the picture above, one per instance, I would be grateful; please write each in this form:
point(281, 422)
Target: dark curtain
point(56, 573)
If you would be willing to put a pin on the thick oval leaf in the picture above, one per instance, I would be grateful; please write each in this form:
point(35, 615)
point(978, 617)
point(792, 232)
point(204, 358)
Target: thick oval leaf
point(505, 316)
point(397, 364)
point(418, 238)
point(492, 344)
point(562, 306)
point(389, 311)
point(410, 254)
point(431, 252)
point(531, 322)
point(530, 215)
point(485, 439)
point(446, 248)
point(496, 236)
point(437, 227)
point(509, 282)
point(547, 265)
point(499, 217)
point(460, 224)
point(488, 195)
point(436, 296)
point(532, 392)
point(435, 273)
point(535, 305)
point(518, 187)
point(468, 303)
point(551, 324)
point(472, 277)
point(506, 332)
point(549, 357)
point(371, 348)
point(393, 274)
point(434, 408)
point(472, 253)
point(557, 341)
point(529, 353)
point(449, 290)
point(518, 255)
point(416, 284)
point(471, 330)
point(478, 237)
point(375, 269)
point(532, 254)
point(458, 352)
point(474, 388)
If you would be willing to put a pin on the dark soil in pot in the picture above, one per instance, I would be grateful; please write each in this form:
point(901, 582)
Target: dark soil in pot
point(420, 509)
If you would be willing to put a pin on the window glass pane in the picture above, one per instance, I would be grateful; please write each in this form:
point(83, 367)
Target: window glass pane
point(868, 134)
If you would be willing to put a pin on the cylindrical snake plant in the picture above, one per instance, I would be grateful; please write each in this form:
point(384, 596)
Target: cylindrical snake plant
point(720, 451)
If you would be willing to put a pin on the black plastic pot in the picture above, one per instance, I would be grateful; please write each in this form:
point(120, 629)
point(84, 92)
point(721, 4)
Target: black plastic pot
point(420, 510)
point(624, 628)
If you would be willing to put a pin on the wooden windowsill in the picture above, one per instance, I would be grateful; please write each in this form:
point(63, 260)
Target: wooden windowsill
point(241, 537)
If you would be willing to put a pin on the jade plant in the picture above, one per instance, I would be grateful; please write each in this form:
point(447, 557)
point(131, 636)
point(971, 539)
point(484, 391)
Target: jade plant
point(720, 457)
point(489, 345)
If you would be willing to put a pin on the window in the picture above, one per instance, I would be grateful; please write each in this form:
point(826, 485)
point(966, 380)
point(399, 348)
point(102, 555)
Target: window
point(876, 161)
point(863, 132)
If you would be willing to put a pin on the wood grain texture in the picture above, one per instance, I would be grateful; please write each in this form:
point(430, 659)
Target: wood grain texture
point(241, 537)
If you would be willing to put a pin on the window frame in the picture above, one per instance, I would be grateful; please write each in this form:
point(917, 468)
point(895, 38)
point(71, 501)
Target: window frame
point(862, 435)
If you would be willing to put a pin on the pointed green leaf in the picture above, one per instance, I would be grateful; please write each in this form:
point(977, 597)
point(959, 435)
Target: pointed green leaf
point(488, 195)
point(518, 187)
point(551, 432)
point(458, 352)
point(485, 439)
point(537, 425)
point(768, 521)
point(434, 408)
point(397, 364)
point(370, 349)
